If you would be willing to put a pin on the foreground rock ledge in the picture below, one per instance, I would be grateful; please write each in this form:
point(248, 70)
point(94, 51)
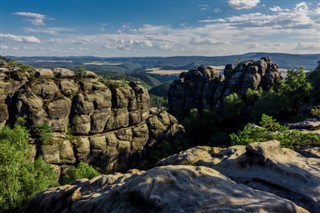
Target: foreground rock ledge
point(181, 188)
point(264, 166)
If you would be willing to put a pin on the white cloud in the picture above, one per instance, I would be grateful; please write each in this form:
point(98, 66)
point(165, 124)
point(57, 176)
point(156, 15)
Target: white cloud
point(3, 47)
point(317, 9)
point(308, 46)
point(26, 39)
point(217, 10)
point(243, 4)
point(203, 6)
point(301, 7)
point(299, 17)
point(49, 30)
point(212, 20)
point(278, 9)
point(35, 18)
point(281, 30)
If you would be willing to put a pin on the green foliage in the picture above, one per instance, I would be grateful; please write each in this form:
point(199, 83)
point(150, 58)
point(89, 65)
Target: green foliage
point(20, 177)
point(270, 124)
point(284, 104)
point(69, 134)
point(44, 132)
point(201, 126)
point(237, 61)
point(315, 111)
point(232, 106)
point(273, 104)
point(271, 130)
point(114, 84)
point(253, 95)
point(297, 88)
point(219, 139)
point(15, 64)
point(158, 101)
point(83, 170)
point(82, 72)
point(314, 79)
point(101, 164)
point(159, 151)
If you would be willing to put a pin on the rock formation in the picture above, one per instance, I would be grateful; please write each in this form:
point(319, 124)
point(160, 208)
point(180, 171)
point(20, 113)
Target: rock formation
point(181, 188)
point(203, 86)
point(90, 118)
point(263, 166)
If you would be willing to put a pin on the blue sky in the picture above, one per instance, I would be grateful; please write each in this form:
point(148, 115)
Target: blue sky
point(113, 28)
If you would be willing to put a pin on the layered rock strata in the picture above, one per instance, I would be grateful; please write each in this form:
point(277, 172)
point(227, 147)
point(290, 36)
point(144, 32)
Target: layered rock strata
point(91, 119)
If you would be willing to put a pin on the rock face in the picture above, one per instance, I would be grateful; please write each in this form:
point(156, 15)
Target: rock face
point(307, 124)
point(263, 166)
point(161, 189)
point(91, 120)
point(205, 87)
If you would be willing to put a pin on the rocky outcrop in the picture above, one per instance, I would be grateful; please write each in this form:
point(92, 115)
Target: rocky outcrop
point(308, 124)
point(181, 188)
point(91, 119)
point(203, 86)
point(263, 166)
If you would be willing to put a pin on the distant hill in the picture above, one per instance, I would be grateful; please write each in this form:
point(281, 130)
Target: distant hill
point(308, 61)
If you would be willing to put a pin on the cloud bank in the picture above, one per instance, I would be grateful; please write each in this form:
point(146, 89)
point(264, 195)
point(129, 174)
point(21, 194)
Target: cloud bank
point(243, 4)
point(35, 18)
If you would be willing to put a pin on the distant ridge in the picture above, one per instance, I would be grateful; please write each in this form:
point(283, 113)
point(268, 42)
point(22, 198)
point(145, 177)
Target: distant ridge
point(285, 60)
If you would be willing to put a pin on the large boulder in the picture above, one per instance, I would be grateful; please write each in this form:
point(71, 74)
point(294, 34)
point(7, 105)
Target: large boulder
point(161, 189)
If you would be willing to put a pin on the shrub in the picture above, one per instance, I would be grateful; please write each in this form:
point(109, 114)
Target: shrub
point(83, 170)
point(315, 111)
point(271, 130)
point(20, 177)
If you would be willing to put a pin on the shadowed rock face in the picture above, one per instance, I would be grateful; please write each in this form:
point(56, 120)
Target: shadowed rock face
point(111, 119)
point(264, 166)
point(161, 189)
point(204, 87)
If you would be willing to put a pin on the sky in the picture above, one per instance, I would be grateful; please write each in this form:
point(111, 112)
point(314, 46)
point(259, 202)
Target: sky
point(130, 28)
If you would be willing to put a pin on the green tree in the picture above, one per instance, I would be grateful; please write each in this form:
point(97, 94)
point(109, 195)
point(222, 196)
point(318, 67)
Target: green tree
point(82, 170)
point(158, 101)
point(20, 177)
point(297, 88)
point(273, 104)
point(232, 106)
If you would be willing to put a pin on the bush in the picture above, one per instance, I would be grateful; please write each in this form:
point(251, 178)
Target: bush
point(44, 132)
point(315, 112)
point(83, 170)
point(271, 130)
point(20, 177)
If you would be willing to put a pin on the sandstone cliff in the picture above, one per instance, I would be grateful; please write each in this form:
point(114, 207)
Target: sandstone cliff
point(91, 118)
point(203, 86)
point(261, 177)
